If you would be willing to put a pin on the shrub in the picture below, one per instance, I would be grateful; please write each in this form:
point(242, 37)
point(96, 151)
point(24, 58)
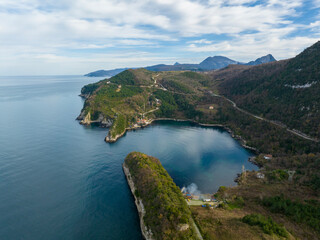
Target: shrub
point(266, 224)
point(301, 213)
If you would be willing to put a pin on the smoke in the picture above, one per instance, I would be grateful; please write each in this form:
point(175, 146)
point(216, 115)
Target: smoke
point(193, 189)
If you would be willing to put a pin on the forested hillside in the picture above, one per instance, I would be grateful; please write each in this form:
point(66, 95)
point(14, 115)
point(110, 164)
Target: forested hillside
point(167, 214)
point(286, 91)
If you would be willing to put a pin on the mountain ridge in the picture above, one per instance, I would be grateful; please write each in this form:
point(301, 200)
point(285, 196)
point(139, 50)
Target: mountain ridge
point(285, 91)
point(210, 63)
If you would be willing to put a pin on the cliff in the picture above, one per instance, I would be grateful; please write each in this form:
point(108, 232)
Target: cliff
point(164, 213)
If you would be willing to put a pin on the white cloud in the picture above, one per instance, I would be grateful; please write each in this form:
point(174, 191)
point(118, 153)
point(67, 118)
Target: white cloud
point(246, 48)
point(200, 41)
point(33, 28)
point(316, 3)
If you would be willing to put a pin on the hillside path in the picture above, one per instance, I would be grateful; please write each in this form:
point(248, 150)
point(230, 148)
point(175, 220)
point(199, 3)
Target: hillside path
point(293, 131)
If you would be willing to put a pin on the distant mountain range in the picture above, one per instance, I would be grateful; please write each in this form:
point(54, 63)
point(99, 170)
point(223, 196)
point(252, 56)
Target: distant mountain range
point(264, 59)
point(210, 63)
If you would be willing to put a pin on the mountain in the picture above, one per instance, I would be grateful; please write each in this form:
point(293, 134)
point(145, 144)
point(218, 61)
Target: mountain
point(210, 63)
point(175, 67)
point(216, 62)
point(265, 59)
point(287, 91)
point(105, 73)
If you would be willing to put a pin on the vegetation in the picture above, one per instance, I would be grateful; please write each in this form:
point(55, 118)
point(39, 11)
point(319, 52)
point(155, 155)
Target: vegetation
point(110, 92)
point(193, 75)
point(166, 209)
point(267, 224)
point(235, 202)
point(90, 88)
point(223, 224)
point(258, 134)
point(285, 91)
point(271, 91)
point(131, 93)
point(178, 87)
point(119, 125)
point(126, 77)
point(278, 175)
point(307, 213)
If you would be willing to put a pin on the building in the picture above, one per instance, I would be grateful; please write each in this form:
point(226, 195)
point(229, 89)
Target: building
point(143, 121)
point(268, 157)
point(158, 101)
point(260, 175)
point(195, 197)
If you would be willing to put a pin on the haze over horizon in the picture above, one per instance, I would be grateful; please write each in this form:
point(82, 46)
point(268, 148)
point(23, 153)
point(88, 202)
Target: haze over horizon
point(67, 37)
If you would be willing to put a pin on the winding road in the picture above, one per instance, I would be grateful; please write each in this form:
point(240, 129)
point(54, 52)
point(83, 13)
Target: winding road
point(293, 131)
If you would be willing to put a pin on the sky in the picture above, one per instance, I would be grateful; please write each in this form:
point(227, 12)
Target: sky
point(60, 37)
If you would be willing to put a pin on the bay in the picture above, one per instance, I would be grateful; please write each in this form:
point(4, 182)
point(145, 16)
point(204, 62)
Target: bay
point(60, 180)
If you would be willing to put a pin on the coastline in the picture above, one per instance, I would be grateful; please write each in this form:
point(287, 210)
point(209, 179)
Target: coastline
point(242, 141)
point(141, 210)
point(107, 123)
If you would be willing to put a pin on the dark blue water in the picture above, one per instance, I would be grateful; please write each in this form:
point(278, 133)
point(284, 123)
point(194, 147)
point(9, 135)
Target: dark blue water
point(60, 180)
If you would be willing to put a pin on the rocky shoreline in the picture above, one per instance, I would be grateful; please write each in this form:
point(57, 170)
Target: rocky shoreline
point(147, 234)
point(86, 120)
point(106, 123)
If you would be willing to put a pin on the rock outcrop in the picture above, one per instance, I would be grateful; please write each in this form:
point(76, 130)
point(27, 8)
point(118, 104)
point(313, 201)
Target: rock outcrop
point(147, 234)
point(85, 119)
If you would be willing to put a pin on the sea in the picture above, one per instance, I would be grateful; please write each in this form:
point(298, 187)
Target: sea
point(61, 180)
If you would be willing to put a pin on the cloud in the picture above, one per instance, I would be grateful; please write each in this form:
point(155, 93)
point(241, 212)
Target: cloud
point(246, 48)
point(200, 41)
point(78, 29)
point(316, 3)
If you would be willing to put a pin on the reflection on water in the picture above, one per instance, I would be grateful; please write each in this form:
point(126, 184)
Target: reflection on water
point(60, 180)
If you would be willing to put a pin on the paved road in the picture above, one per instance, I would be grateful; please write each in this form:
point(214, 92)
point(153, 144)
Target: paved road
point(295, 132)
point(153, 110)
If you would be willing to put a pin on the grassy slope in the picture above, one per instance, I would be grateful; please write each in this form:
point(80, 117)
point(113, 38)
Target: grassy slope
point(165, 206)
point(137, 95)
point(227, 224)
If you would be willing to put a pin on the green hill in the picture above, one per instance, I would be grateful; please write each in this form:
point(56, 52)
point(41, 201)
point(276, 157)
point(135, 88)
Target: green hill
point(134, 95)
point(167, 214)
point(286, 91)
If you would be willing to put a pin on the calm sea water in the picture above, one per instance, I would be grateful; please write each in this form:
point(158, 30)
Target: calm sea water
point(60, 180)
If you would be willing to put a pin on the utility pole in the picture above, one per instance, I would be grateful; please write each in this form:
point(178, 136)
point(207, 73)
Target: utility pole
point(244, 173)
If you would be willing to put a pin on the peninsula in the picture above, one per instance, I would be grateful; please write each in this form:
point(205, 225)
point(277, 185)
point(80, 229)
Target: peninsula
point(272, 108)
point(164, 213)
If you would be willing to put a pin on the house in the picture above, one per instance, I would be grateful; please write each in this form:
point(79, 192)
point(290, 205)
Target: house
point(158, 101)
point(268, 157)
point(119, 88)
point(188, 196)
point(195, 197)
point(211, 107)
point(260, 175)
point(213, 199)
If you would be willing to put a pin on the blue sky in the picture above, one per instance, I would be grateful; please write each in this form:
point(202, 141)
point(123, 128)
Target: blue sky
point(42, 37)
